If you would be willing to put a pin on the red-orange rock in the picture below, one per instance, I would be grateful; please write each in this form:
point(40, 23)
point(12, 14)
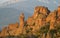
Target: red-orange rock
point(52, 19)
point(38, 20)
point(58, 10)
point(13, 26)
point(21, 19)
point(4, 32)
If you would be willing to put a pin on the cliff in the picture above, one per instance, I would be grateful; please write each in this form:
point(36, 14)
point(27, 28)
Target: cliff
point(42, 24)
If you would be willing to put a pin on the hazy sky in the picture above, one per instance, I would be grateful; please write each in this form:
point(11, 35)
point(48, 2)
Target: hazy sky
point(52, 4)
point(47, 1)
point(2, 1)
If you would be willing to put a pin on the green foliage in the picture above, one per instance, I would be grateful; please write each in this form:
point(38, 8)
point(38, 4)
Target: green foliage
point(25, 25)
point(27, 31)
point(45, 28)
point(20, 36)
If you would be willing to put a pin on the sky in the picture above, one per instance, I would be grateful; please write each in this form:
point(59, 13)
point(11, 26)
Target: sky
point(3, 1)
point(10, 13)
point(45, 1)
point(6, 2)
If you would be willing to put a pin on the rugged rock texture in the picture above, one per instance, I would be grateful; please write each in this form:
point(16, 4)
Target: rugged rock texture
point(13, 26)
point(58, 10)
point(4, 32)
point(43, 24)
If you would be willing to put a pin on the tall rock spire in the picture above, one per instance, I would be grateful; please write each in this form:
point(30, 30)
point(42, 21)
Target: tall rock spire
point(58, 10)
point(21, 19)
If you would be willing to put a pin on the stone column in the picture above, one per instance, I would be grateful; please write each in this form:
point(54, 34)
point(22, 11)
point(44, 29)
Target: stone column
point(21, 19)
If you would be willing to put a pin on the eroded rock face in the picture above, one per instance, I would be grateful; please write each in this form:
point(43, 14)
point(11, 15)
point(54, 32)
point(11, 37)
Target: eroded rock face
point(13, 26)
point(58, 23)
point(58, 10)
point(40, 10)
point(21, 19)
point(58, 17)
point(39, 19)
point(52, 20)
point(4, 32)
point(10, 30)
point(29, 21)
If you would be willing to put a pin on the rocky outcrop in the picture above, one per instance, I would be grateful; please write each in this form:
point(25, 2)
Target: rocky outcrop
point(4, 32)
point(42, 21)
point(13, 26)
point(58, 10)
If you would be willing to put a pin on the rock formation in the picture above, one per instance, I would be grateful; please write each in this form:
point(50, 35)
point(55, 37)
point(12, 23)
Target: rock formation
point(41, 22)
point(4, 32)
point(21, 18)
point(13, 26)
point(58, 10)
